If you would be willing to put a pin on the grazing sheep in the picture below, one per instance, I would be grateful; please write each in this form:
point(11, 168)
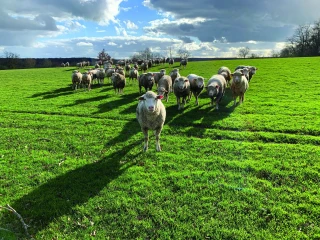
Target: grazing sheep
point(86, 80)
point(181, 89)
point(119, 82)
point(133, 73)
point(171, 61)
point(174, 74)
point(76, 78)
point(183, 63)
point(151, 115)
point(225, 71)
point(239, 86)
point(63, 65)
point(146, 80)
point(216, 88)
point(96, 65)
point(158, 75)
point(165, 86)
point(196, 86)
point(79, 64)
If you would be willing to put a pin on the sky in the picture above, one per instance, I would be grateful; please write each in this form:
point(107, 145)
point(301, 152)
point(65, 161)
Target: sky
point(205, 28)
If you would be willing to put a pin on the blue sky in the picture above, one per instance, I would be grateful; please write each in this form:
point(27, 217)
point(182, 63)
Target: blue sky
point(206, 28)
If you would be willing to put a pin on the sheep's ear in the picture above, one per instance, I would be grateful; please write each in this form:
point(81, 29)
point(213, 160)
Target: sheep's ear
point(186, 80)
point(141, 98)
point(159, 97)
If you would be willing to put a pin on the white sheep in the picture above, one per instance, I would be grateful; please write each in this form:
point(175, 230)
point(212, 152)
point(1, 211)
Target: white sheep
point(216, 87)
point(165, 86)
point(225, 71)
point(158, 75)
point(151, 115)
point(181, 89)
point(76, 79)
point(86, 80)
point(239, 86)
point(196, 86)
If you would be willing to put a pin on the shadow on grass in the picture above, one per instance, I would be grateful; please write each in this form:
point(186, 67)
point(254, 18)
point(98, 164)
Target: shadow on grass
point(200, 117)
point(58, 196)
point(55, 93)
point(125, 99)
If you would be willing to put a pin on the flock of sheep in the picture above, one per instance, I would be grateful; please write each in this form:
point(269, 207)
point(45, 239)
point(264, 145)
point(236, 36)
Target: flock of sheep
point(151, 112)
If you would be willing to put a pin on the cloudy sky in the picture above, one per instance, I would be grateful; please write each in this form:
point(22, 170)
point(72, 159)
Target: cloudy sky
point(206, 28)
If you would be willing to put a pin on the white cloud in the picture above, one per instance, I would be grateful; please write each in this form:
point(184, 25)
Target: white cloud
point(84, 44)
point(130, 25)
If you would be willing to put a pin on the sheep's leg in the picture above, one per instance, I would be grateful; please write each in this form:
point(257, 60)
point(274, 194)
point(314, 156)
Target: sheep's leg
point(146, 138)
point(157, 134)
point(235, 101)
point(197, 102)
point(178, 103)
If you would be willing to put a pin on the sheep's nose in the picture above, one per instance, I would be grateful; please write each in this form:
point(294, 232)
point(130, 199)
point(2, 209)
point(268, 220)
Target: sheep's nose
point(151, 108)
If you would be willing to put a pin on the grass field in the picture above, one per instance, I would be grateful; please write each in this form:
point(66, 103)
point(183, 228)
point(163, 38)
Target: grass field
point(72, 163)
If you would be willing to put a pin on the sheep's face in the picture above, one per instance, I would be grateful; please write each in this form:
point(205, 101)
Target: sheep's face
point(181, 83)
point(237, 76)
point(213, 90)
point(200, 82)
point(253, 70)
point(161, 91)
point(150, 101)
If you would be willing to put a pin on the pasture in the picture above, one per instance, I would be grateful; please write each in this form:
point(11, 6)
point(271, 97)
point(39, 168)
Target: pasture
point(72, 163)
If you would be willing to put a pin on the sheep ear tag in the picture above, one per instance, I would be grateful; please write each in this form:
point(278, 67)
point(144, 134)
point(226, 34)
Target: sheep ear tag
point(160, 97)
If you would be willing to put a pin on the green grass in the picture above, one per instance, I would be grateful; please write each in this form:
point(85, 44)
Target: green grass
point(72, 162)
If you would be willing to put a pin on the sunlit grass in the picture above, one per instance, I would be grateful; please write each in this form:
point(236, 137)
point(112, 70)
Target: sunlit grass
point(72, 162)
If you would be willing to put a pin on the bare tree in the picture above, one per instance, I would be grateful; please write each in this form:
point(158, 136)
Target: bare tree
point(103, 56)
point(183, 53)
point(243, 52)
point(12, 59)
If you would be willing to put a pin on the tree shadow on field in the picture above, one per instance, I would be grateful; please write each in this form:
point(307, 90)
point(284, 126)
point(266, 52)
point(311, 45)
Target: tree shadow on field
point(200, 117)
point(60, 195)
point(55, 93)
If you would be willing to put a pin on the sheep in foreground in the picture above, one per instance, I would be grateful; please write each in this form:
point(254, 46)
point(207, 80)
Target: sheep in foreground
point(76, 79)
point(165, 86)
point(181, 89)
point(216, 88)
point(151, 115)
point(86, 80)
point(158, 75)
point(146, 80)
point(196, 86)
point(225, 71)
point(118, 82)
point(239, 86)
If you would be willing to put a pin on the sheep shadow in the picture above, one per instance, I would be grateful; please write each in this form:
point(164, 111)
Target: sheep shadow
point(199, 117)
point(60, 195)
point(55, 93)
point(125, 99)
